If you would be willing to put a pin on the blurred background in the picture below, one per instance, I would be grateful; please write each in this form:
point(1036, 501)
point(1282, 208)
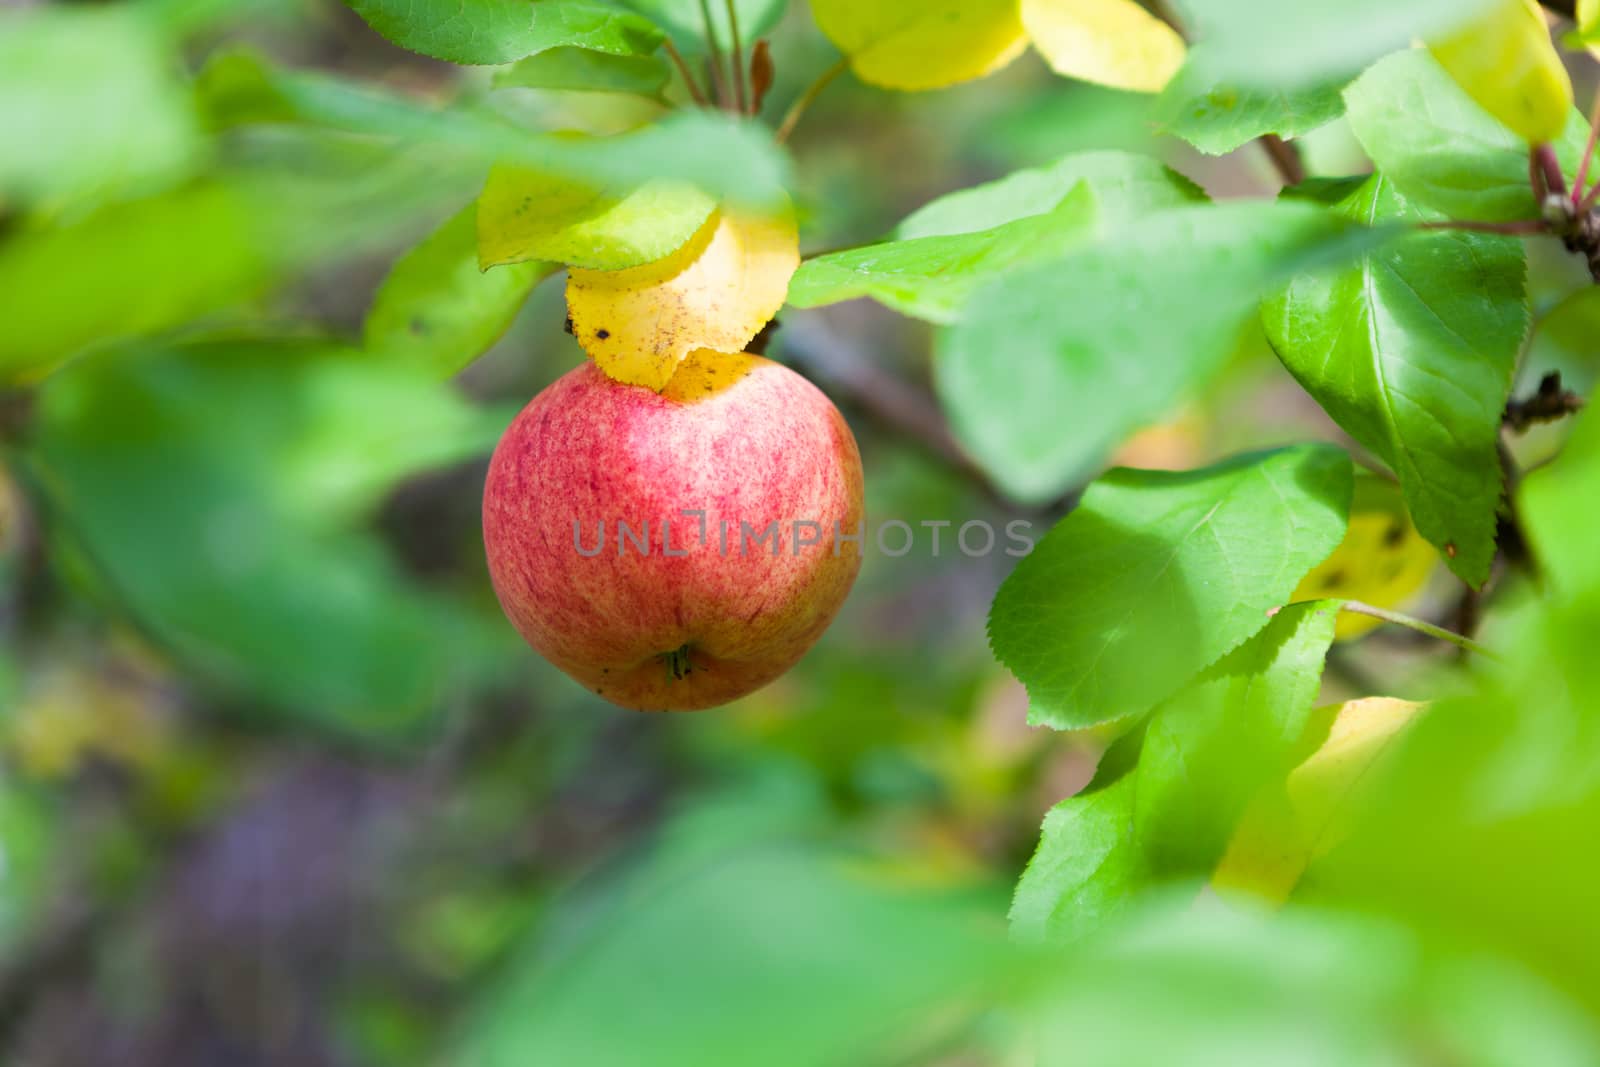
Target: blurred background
point(280, 784)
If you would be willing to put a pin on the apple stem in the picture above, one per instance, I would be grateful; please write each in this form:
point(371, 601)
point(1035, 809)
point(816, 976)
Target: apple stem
point(677, 663)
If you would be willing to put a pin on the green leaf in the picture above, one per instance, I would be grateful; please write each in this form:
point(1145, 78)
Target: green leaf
point(1210, 748)
point(214, 492)
point(1086, 869)
point(726, 157)
point(1053, 365)
point(1440, 148)
point(582, 70)
point(1156, 574)
point(1218, 118)
point(1411, 350)
point(846, 965)
point(147, 265)
point(1272, 45)
point(94, 105)
point(1587, 31)
point(1126, 186)
point(1563, 535)
point(685, 22)
point(1204, 754)
point(437, 311)
point(499, 31)
point(1502, 784)
point(129, 269)
point(933, 277)
point(525, 215)
point(1187, 981)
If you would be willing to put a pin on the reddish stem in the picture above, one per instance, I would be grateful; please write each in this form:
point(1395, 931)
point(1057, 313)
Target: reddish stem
point(1588, 151)
point(1554, 180)
point(1285, 157)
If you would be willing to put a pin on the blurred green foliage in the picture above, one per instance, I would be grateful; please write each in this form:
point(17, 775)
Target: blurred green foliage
point(280, 786)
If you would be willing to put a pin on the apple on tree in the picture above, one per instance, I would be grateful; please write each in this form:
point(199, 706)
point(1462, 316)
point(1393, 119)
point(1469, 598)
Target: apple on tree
point(702, 608)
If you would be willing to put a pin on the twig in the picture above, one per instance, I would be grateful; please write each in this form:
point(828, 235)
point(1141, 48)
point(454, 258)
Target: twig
point(714, 55)
point(827, 356)
point(1546, 404)
point(1545, 158)
point(683, 70)
point(1285, 157)
point(739, 96)
point(854, 379)
point(1588, 151)
point(1357, 607)
point(812, 91)
point(1469, 611)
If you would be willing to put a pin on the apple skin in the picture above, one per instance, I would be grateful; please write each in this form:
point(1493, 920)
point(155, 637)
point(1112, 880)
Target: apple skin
point(739, 437)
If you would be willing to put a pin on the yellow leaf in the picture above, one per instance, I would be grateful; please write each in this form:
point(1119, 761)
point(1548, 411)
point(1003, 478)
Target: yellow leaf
point(1299, 820)
point(1267, 853)
point(1382, 559)
point(922, 44)
point(716, 292)
point(1506, 61)
point(1588, 16)
point(524, 215)
point(1111, 42)
point(1360, 732)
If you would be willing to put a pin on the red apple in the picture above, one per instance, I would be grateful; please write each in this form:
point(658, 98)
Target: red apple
point(704, 612)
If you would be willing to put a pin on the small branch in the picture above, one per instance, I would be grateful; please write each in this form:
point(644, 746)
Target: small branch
point(805, 100)
point(1359, 608)
point(856, 380)
point(1588, 152)
point(1548, 403)
point(1544, 157)
point(1469, 612)
point(683, 71)
point(1510, 472)
point(739, 95)
point(719, 80)
point(829, 359)
point(1285, 158)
